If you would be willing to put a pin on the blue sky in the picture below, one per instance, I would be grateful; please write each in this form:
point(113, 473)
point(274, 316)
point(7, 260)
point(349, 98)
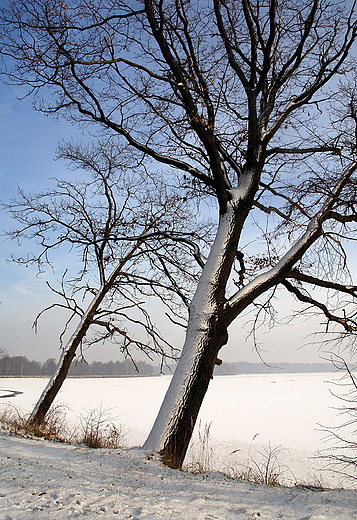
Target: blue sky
point(27, 149)
point(27, 145)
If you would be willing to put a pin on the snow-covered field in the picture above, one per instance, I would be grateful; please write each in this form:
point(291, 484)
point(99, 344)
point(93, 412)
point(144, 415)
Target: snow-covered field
point(248, 414)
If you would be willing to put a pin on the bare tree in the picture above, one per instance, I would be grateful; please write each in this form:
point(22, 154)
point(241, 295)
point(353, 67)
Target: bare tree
point(341, 454)
point(237, 98)
point(116, 230)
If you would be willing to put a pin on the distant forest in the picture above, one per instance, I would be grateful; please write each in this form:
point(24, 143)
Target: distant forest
point(243, 367)
point(21, 366)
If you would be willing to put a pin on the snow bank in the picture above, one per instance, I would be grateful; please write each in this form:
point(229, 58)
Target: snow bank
point(41, 480)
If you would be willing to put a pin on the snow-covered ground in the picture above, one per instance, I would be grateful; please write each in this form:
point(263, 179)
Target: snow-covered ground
point(248, 415)
point(41, 480)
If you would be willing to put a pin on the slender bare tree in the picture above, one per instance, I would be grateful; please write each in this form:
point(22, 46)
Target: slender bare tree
point(237, 98)
point(340, 453)
point(130, 244)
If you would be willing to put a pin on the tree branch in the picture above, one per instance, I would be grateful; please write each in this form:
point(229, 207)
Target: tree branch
point(298, 275)
point(347, 323)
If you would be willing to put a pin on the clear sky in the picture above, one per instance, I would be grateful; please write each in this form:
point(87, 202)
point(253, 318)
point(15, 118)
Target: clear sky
point(27, 146)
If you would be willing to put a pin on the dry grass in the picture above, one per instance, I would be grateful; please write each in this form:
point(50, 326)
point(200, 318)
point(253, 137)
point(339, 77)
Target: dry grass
point(93, 430)
point(96, 431)
point(262, 467)
point(54, 428)
point(200, 454)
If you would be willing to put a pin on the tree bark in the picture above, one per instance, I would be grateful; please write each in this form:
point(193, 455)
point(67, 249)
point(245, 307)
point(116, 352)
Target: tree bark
point(206, 334)
point(47, 397)
point(194, 387)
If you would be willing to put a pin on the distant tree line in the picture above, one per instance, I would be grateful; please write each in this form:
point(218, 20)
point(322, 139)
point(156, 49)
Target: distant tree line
point(112, 368)
point(21, 366)
point(243, 367)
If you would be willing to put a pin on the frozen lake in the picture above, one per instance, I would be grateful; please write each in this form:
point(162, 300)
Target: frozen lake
point(248, 414)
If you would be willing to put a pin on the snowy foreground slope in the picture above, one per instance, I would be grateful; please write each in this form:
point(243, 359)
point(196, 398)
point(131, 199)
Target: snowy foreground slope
point(45, 480)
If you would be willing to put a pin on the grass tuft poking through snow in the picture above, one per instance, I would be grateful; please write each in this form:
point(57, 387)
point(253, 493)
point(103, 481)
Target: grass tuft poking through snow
point(93, 430)
point(200, 454)
point(262, 467)
point(96, 431)
point(54, 428)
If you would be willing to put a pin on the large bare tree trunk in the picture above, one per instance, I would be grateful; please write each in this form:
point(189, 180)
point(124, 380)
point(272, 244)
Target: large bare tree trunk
point(206, 334)
point(173, 429)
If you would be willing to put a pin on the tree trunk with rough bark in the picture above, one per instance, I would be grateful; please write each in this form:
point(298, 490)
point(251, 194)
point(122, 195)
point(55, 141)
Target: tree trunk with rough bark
point(47, 397)
point(206, 334)
point(195, 382)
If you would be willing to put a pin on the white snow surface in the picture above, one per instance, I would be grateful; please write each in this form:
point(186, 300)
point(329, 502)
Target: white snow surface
point(248, 414)
point(45, 480)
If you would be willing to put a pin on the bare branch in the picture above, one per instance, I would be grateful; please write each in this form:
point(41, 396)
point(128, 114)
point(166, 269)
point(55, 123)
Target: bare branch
point(298, 275)
point(347, 323)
